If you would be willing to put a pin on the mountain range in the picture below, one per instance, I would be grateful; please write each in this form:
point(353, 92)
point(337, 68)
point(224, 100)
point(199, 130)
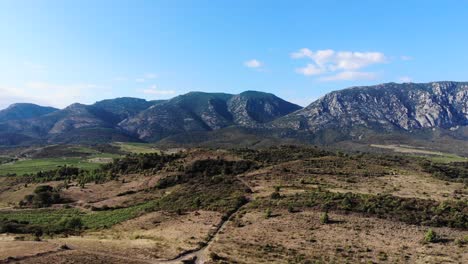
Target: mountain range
point(410, 109)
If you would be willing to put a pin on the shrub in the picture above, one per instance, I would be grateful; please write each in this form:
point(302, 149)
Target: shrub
point(461, 241)
point(67, 224)
point(268, 213)
point(324, 219)
point(430, 236)
point(275, 195)
point(43, 196)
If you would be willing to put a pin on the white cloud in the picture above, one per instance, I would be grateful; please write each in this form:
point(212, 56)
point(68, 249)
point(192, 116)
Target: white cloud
point(47, 94)
point(152, 90)
point(310, 69)
point(146, 77)
point(350, 76)
point(253, 63)
point(405, 79)
point(151, 76)
point(406, 58)
point(341, 64)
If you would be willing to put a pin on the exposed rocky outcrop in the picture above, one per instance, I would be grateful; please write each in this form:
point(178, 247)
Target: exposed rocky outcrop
point(346, 114)
point(197, 111)
point(387, 107)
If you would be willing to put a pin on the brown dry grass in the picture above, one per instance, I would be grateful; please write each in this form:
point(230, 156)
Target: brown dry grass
point(296, 237)
point(404, 183)
point(9, 247)
point(157, 235)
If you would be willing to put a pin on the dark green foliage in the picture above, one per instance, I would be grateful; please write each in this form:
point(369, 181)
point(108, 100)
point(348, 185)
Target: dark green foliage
point(59, 174)
point(65, 225)
point(207, 184)
point(71, 223)
point(430, 236)
point(68, 173)
point(281, 154)
point(18, 227)
point(409, 210)
point(138, 163)
point(275, 195)
point(209, 172)
point(210, 167)
point(44, 196)
point(324, 219)
point(217, 193)
point(454, 171)
point(134, 163)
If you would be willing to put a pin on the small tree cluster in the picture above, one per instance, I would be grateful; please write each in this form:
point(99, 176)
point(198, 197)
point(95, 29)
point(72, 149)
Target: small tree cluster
point(43, 196)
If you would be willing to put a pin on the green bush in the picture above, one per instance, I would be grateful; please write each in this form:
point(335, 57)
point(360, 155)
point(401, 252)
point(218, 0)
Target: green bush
point(71, 223)
point(324, 219)
point(430, 236)
point(275, 195)
point(43, 196)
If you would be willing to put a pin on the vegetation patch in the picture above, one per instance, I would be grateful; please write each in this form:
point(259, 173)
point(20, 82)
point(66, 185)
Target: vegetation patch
point(44, 196)
point(409, 210)
point(454, 171)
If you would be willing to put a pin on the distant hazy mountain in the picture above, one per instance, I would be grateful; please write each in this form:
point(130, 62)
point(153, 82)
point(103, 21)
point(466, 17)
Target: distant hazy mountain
point(135, 119)
point(87, 123)
point(400, 111)
point(24, 111)
point(197, 111)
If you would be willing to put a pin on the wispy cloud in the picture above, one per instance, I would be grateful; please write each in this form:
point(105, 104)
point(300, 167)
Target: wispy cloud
point(405, 79)
point(58, 95)
point(151, 76)
point(350, 75)
point(338, 65)
point(311, 69)
point(406, 58)
point(153, 90)
point(253, 64)
point(146, 77)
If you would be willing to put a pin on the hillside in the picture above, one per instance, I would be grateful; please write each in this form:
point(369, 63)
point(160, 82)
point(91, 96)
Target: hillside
point(385, 107)
point(24, 111)
point(280, 205)
point(197, 111)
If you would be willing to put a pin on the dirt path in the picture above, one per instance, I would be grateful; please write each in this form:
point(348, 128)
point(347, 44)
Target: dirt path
point(41, 254)
point(199, 256)
point(195, 256)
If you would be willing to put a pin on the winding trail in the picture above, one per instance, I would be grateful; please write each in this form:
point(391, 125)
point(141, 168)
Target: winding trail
point(194, 256)
point(199, 256)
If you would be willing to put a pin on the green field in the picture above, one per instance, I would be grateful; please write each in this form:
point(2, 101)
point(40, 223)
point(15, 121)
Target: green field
point(35, 165)
point(91, 220)
point(447, 158)
point(435, 156)
point(136, 147)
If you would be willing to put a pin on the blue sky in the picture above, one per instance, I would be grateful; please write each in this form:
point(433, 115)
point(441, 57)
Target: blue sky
point(60, 52)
